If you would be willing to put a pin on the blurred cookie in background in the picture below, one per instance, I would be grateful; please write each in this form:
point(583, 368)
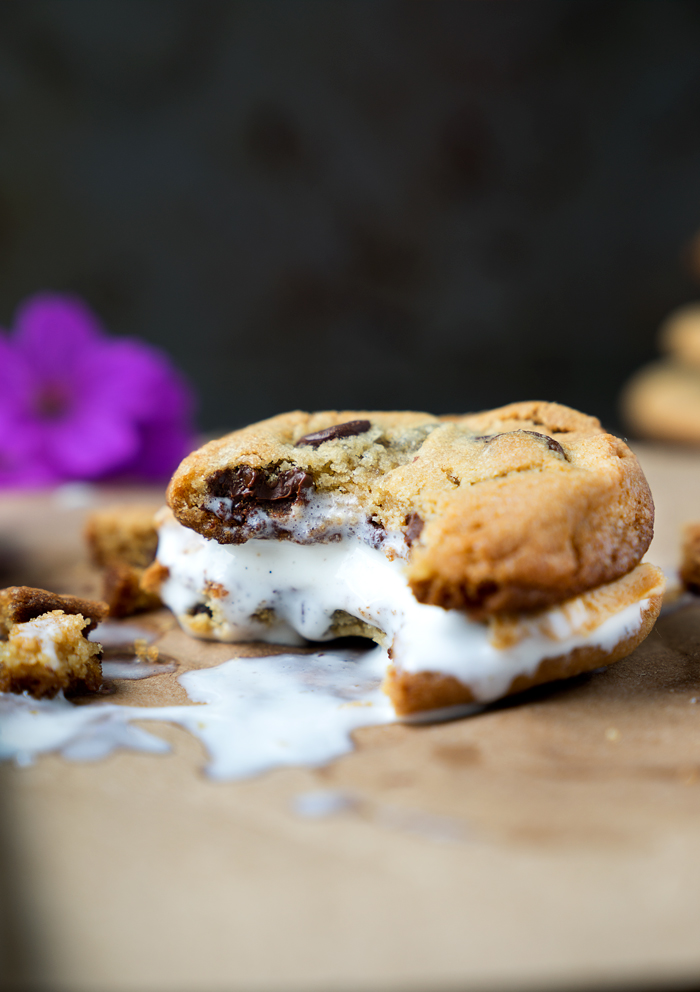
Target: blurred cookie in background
point(690, 564)
point(662, 400)
point(122, 542)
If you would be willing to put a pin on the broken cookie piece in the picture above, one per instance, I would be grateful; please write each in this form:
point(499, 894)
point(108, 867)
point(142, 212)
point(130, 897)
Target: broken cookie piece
point(49, 654)
point(44, 647)
point(21, 603)
point(484, 552)
point(122, 542)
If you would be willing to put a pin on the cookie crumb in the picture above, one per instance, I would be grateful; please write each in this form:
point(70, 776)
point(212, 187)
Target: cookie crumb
point(145, 651)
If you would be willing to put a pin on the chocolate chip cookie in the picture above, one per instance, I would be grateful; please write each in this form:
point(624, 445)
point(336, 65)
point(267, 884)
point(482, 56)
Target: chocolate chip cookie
point(482, 553)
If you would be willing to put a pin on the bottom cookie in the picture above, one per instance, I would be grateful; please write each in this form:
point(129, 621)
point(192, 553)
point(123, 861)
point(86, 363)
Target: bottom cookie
point(417, 692)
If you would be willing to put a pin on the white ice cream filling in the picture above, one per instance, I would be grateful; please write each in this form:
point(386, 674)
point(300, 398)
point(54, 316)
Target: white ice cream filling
point(284, 592)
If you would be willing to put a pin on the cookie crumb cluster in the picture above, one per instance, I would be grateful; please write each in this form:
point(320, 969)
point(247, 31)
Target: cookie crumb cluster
point(122, 543)
point(44, 647)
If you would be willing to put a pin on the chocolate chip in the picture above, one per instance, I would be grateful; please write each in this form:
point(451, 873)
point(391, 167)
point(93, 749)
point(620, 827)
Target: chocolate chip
point(377, 535)
point(350, 429)
point(247, 484)
point(200, 608)
point(251, 483)
point(551, 443)
point(244, 490)
point(414, 527)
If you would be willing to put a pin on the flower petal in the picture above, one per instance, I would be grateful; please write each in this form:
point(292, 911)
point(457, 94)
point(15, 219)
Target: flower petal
point(85, 447)
point(162, 447)
point(17, 379)
point(53, 330)
point(21, 459)
point(134, 378)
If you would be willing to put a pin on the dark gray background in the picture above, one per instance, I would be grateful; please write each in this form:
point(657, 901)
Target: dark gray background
point(437, 205)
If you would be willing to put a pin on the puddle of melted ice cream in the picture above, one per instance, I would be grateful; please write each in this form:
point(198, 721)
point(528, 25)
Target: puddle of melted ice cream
point(252, 714)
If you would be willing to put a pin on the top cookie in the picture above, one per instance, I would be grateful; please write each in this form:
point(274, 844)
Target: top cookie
point(511, 509)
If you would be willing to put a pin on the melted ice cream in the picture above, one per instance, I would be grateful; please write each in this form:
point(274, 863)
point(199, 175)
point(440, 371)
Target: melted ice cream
point(299, 588)
point(253, 714)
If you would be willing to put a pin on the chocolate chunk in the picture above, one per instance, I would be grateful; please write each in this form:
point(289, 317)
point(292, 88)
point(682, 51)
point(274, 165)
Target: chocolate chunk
point(200, 608)
point(244, 490)
point(414, 526)
point(551, 443)
point(251, 483)
point(377, 535)
point(350, 429)
point(247, 484)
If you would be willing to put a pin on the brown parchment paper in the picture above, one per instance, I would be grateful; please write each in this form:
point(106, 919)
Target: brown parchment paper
point(553, 841)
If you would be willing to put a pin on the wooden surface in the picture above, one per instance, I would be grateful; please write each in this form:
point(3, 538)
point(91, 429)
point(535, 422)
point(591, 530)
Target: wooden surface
point(550, 842)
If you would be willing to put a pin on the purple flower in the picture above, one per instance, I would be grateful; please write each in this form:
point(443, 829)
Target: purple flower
point(77, 404)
